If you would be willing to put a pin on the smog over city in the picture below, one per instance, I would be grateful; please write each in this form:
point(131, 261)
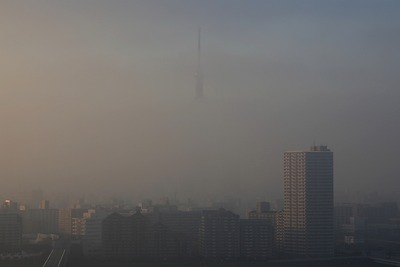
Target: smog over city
point(97, 97)
point(150, 120)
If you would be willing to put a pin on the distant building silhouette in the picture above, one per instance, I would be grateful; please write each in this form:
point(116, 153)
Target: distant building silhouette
point(44, 204)
point(263, 206)
point(367, 225)
point(9, 205)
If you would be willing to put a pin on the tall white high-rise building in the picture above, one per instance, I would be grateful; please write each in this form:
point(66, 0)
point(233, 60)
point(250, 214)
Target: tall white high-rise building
point(308, 203)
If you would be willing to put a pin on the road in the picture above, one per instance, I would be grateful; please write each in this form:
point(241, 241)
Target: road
point(56, 258)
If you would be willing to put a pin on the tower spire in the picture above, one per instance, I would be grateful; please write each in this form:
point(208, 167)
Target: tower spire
point(199, 73)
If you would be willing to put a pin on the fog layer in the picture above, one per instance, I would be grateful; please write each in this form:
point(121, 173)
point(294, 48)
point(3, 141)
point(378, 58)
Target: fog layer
point(98, 96)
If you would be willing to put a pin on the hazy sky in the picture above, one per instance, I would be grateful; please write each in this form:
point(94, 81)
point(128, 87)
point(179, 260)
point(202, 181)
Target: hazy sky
point(98, 96)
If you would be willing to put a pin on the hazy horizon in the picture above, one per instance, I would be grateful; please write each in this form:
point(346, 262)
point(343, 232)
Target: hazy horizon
point(98, 96)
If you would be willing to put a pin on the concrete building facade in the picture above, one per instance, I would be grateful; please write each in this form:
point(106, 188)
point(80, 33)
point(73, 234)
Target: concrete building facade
point(308, 203)
point(219, 235)
point(256, 239)
point(10, 233)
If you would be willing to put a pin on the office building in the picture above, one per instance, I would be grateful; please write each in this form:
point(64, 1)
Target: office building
point(92, 237)
point(124, 236)
point(256, 239)
point(155, 236)
point(184, 227)
point(308, 203)
point(65, 219)
point(219, 235)
point(43, 221)
point(10, 233)
point(78, 228)
point(275, 219)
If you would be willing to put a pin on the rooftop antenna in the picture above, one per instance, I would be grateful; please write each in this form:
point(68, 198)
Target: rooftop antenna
point(199, 73)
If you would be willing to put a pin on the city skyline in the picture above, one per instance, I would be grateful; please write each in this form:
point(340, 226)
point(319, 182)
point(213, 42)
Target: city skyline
point(308, 227)
point(175, 132)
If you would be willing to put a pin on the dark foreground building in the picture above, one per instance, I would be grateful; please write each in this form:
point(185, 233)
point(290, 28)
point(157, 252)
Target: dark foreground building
point(219, 235)
point(124, 236)
point(10, 233)
point(145, 237)
point(256, 239)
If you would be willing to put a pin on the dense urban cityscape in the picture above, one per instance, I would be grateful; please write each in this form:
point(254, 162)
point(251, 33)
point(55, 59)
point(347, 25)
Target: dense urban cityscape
point(307, 227)
point(159, 133)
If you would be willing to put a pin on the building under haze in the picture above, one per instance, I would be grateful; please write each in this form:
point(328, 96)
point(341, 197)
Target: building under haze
point(92, 236)
point(10, 233)
point(274, 218)
point(43, 221)
point(256, 239)
point(308, 203)
point(9, 205)
point(44, 204)
point(66, 218)
point(219, 235)
point(124, 236)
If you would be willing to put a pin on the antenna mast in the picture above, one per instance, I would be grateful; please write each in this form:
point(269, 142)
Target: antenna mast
point(199, 73)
